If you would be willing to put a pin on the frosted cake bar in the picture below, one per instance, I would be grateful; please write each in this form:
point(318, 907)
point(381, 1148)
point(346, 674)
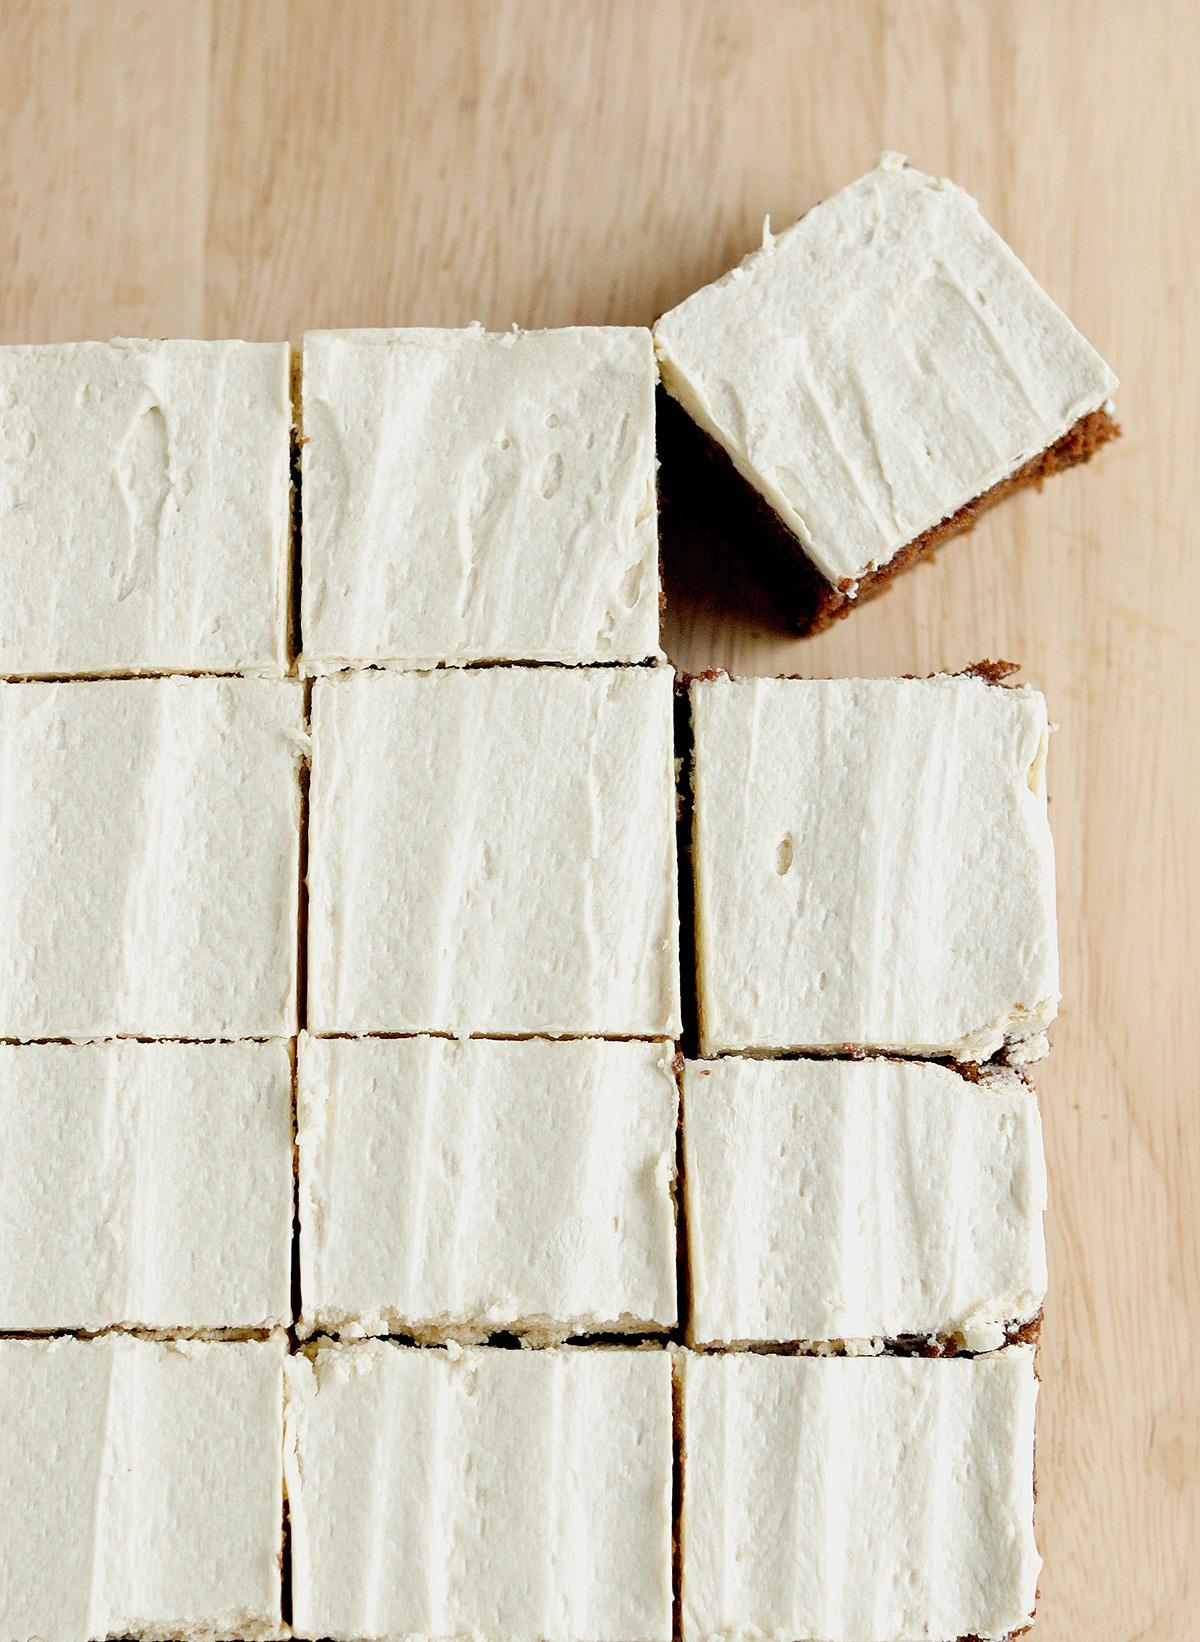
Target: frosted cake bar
point(510, 1496)
point(873, 867)
point(861, 1201)
point(492, 851)
point(145, 517)
point(879, 373)
point(854, 1498)
point(454, 1189)
point(150, 857)
point(145, 1184)
point(142, 1487)
point(479, 497)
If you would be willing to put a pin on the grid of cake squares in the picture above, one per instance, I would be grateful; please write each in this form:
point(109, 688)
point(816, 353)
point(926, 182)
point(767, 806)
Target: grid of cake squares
point(472, 763)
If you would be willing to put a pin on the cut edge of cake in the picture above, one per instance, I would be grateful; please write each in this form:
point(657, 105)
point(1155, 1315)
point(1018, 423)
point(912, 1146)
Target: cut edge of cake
point(765, 513)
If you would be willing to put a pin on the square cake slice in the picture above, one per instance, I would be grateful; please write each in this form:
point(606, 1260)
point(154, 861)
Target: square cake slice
point(856, 1498)
point(492, 851)
point(145, 517)
point(145, 1185)
point(479, 497)
point(508, 1496)
point(454, 1189)
point(879, 373)
point(861, 1201)
point(142, 1487)
point(873, 867)
point(150, 857)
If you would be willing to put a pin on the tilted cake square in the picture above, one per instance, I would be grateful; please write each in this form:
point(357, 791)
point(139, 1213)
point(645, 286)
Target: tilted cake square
point(454, 1189)
point(492, 851)
point(147, 1185)
point(470, 496)
point(145, 514)
point(861, 1201)
point(873, 867)
point(510, 1496)
point(150, 855)
point(878, 373)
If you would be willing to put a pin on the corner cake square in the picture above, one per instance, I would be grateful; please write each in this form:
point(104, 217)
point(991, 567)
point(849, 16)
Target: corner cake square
point(873, 867)
point(150, 854)
point(458, 1189)
point(478, 497)
point(861, 1201)
point(845, 1498)
point(509, 1496)
point(879, 373)
point(492, 852)
point(145, 1185)
point(142, 1487)
point(145, 515)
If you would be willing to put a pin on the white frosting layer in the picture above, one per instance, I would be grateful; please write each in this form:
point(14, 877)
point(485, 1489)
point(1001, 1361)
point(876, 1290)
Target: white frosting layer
point(145, 1184)
point(508, 1496)
point(142, 1488)
point(878, 365)
point(149, 858)
point(144, 508)
point(833, 1200)
point(479, 497)
point(467, 1187)
point(873, 866)
point(493, 851)
point(858, 1499)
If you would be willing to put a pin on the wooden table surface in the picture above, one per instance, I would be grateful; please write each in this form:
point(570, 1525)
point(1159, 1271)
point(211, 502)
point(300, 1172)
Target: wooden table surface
point(256, 167)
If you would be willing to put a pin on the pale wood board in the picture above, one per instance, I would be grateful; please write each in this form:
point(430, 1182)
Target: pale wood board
point(256, 167)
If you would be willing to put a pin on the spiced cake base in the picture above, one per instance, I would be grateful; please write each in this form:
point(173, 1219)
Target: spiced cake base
point(695, 466)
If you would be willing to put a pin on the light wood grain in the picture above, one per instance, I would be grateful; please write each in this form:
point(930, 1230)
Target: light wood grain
point(256, 168)
point(103, 119)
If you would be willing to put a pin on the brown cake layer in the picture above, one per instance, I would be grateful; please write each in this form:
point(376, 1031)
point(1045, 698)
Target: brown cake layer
point(774, 555)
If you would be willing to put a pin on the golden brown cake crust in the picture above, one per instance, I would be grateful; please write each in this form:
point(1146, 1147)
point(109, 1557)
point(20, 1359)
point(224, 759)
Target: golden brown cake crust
point(775, 556)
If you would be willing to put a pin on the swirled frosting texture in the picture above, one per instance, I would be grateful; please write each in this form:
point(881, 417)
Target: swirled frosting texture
point(144, 510)
point(860, 1201)
point(452, 1189)
point(145, 1185)
point(508, 1496)
point(858, 1499)
point(150, 857)
point(492, 850)
point(478, 497)
point(873, 866)
point(878, 365)
point(143, 1488)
